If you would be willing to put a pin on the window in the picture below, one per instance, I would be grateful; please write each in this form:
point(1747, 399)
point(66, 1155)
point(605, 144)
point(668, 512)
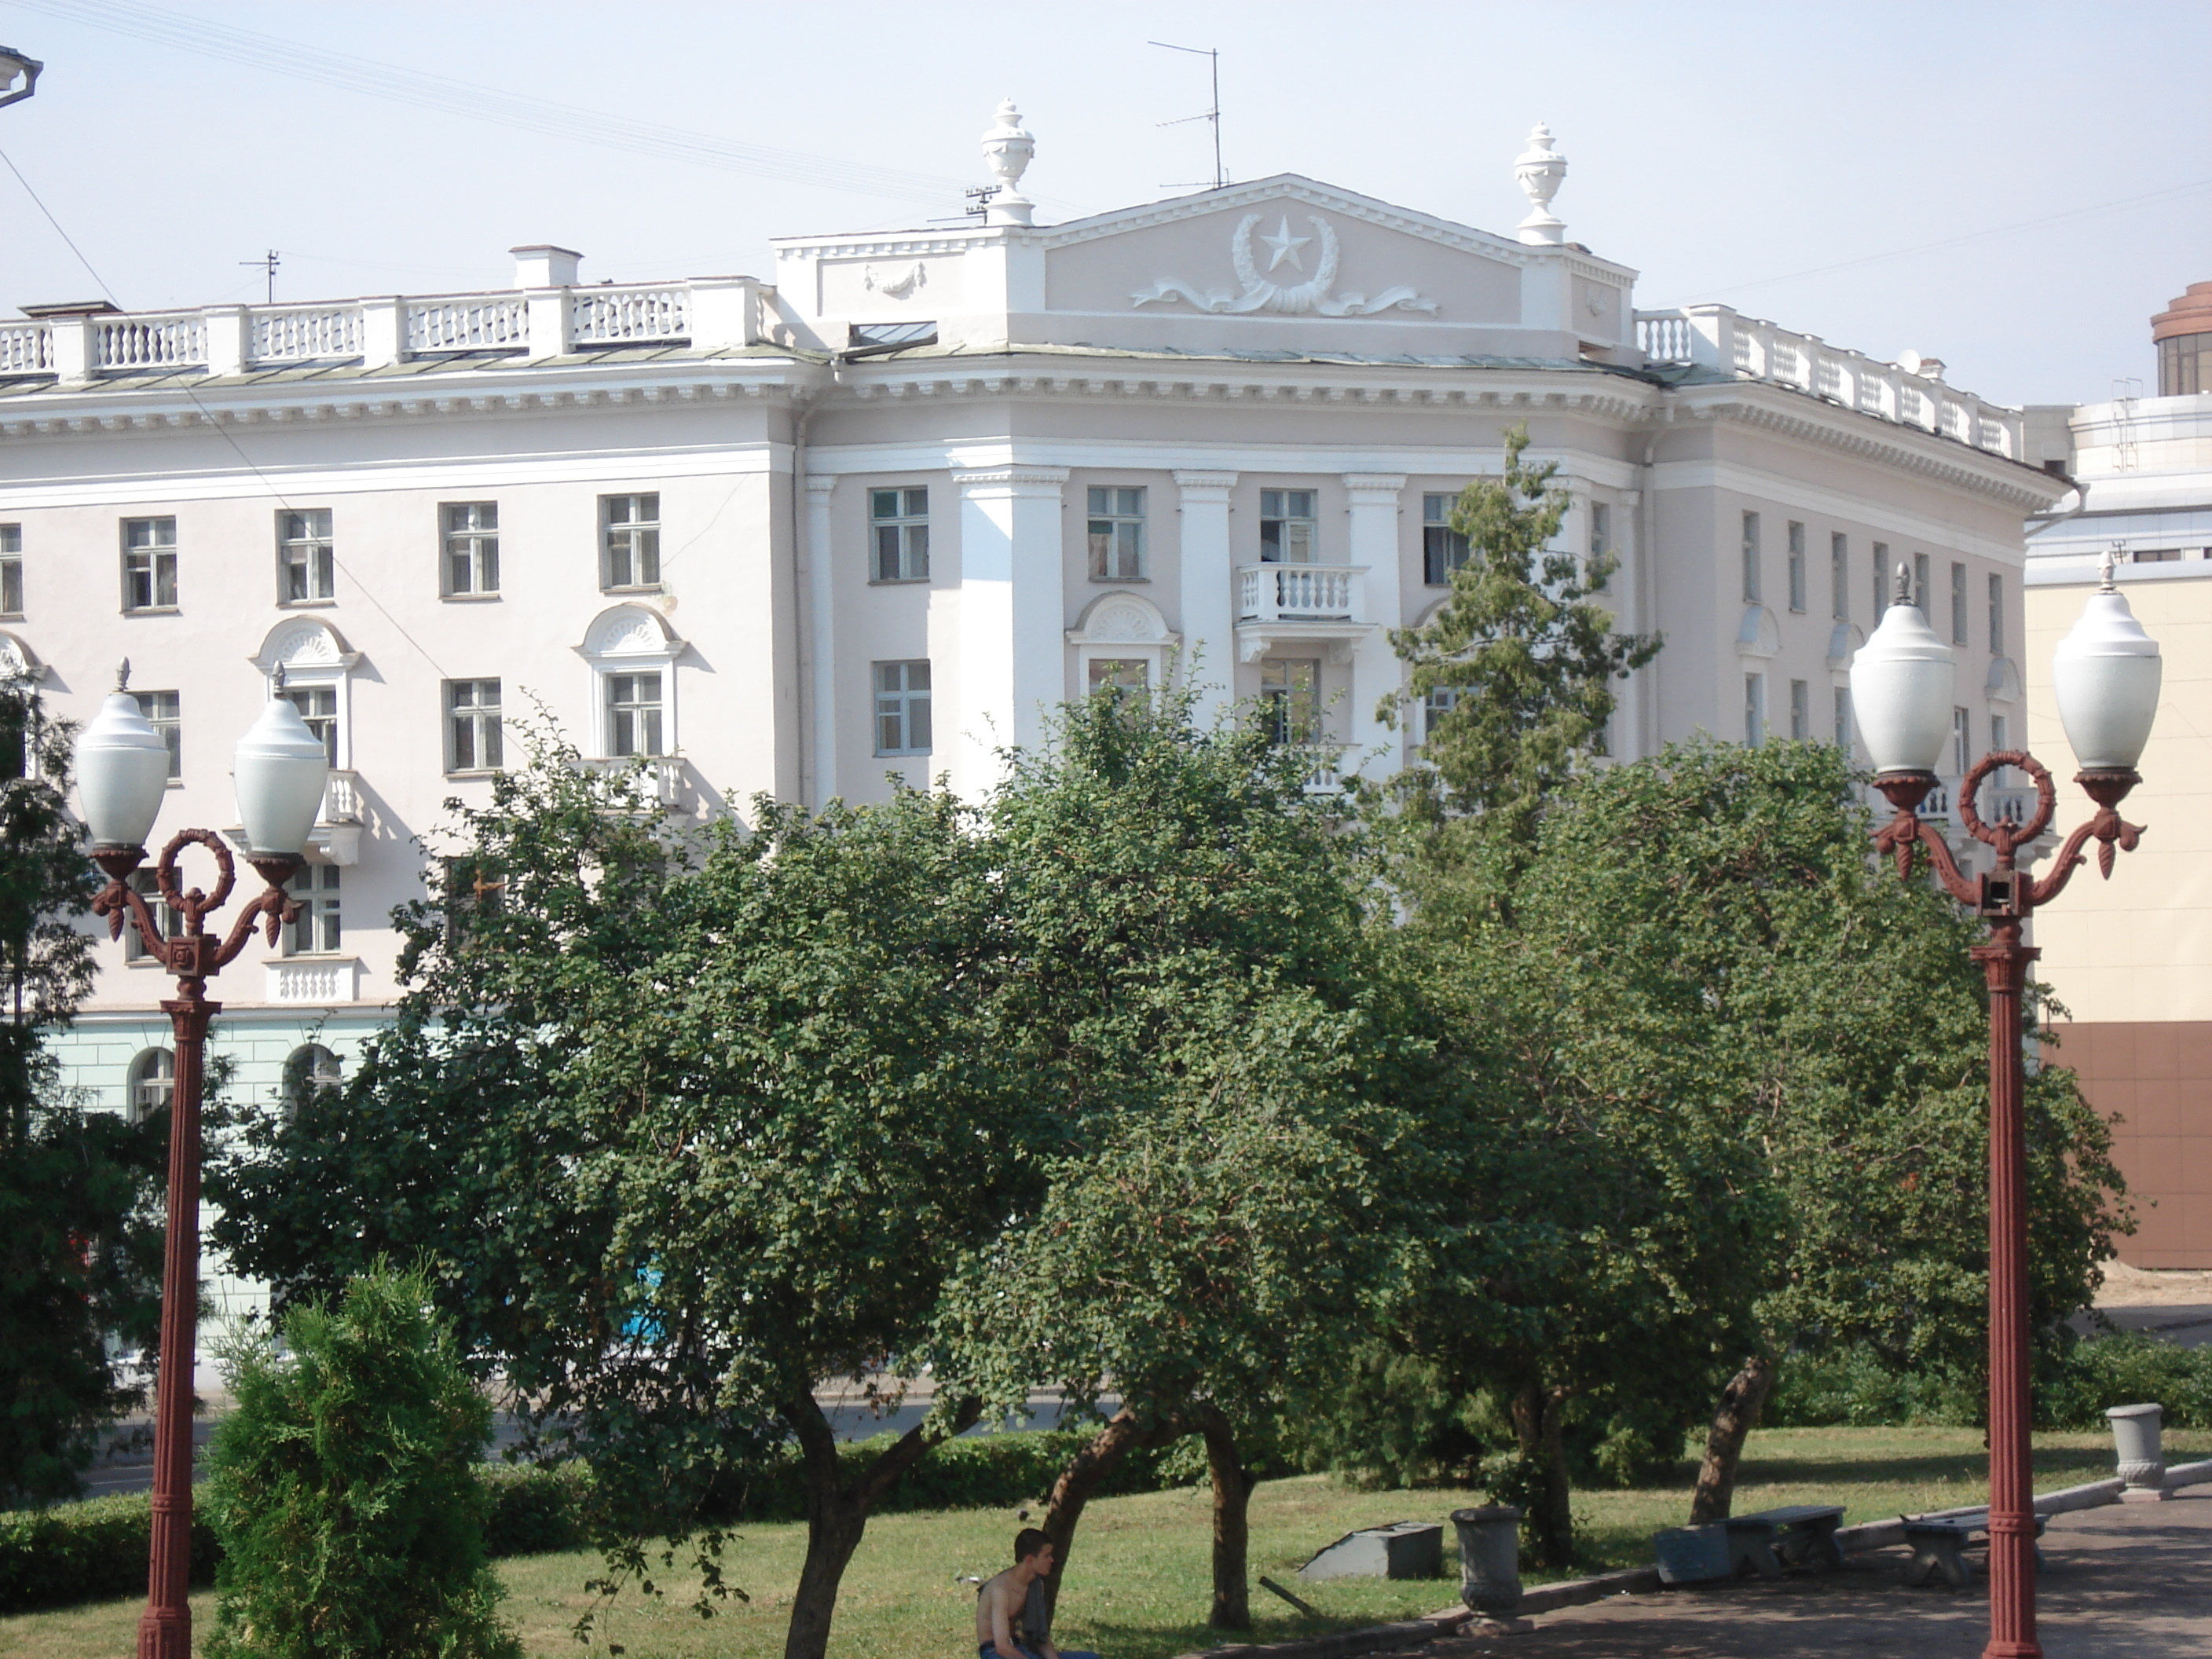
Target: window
point(633, 714)
point(307, 565)
point(170, 924)
point(1797, 566)
point(1289, 531)
point(11, 570)
point(162, 710)
point(2000, 733)
point(472, 727)
point(1750, 558)
point(902, 707)
point(1996, 614)
point(1601, 546)
point(1920, 582)
point(1443, 549)
point(472, 890)
point(153, 1084)
point(2184, 365)
point(900, 519)
point(1118, 673)
point(149, 564)
point(310, 1072)
point(1754, 710)
point(472, 532)
point(1801, 711)
point(1881, 578)
point(1962, 741)
point(1289, 698)
point(1117, 535)
point(2154, 556)
point(319, 708)
point(1839, 576)
point(632, 527)
point(1844, 719)
point(1439, 702)
point(1958, 603)
point(315, 930)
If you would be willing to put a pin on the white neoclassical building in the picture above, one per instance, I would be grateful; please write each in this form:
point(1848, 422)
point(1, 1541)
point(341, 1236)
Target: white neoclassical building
point(875, 514)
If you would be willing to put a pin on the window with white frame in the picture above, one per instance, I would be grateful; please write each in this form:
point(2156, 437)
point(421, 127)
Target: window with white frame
point(1796, 565)
point(169, 924)
point(634, 711)
point(1996, 614)
point(152, 1083)
point(306, 560)
point(630, 530)
point(1601, 545)
point(1116, 674)
point(1443, 549)
point(1843, 718)
point(1754, 710)
point(1801, 711)
point(1290, 532)
point(1881, 578)
point(1962, 741)
point(149, 564)
point(1290, 698)
point(11, 570)
point(310, 1071)
point(474, 738)
point(164, 712)
point(1920, 582)
point(316, 930)
point(471, 568)
point(902, 725)
point(1839, 576)
point(1116, 532)
point(319, 708)
point(1439, 702)
point(898, 523)
point(1958, 603)
point(1750, 558)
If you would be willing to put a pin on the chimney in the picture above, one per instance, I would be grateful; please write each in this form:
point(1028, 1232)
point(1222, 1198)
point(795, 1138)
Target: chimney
point(543, 266)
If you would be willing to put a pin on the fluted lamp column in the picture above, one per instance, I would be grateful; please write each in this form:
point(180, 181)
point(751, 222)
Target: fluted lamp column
point(123, 768)
point(2108, 675)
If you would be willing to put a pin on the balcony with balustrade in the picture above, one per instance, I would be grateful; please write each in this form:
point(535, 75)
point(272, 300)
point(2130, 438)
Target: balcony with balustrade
point(1909, 392)
point(1279, 604)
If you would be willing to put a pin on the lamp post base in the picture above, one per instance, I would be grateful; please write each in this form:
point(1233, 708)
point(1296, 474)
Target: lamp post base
point(165, 1634)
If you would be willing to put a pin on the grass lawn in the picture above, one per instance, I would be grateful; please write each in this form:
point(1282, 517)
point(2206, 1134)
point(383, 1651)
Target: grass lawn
point(1140, 1575)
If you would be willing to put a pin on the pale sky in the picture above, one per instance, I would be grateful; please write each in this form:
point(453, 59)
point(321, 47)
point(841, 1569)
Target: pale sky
point(1761, 155)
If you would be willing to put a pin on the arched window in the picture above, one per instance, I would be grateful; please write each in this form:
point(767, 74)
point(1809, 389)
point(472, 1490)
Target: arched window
point(309, 1070)
point(632, 652)
point(153, 1082)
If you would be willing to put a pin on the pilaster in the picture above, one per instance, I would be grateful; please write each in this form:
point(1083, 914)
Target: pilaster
point(1371, 539)
point(822, 635)
point(1013, 652)
point(1207, 600)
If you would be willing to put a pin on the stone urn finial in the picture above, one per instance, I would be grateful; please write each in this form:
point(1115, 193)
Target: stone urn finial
point(1007, 148)
point(1541, 170)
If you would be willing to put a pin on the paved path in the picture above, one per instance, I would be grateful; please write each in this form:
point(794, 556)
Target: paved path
point(2125, 1582)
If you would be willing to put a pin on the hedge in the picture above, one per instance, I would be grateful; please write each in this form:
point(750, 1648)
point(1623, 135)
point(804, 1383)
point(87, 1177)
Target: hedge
point(96, 1550)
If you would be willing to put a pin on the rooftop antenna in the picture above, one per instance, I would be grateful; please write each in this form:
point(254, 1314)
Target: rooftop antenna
point(268, 262)
point(1213, 56)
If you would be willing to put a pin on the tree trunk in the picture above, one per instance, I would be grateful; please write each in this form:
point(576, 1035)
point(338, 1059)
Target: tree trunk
point(1092, 1466)
point(837, 1513)
point(1737, 1417)
point(1232, 1494)
point(1538, 1428)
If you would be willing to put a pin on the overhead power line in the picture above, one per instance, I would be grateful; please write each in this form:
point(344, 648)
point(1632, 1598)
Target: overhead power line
point(474, 102)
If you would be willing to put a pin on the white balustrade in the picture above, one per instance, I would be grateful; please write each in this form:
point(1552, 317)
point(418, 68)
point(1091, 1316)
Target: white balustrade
point(1297, 592)
point(1323, 765)
point(469, 323)
point(607, 315)
point(25, 348)
point(1717, 337)
point(150, 342)
point(662, 775)
point(305, 333)
point(341, 799)
point(313, 980)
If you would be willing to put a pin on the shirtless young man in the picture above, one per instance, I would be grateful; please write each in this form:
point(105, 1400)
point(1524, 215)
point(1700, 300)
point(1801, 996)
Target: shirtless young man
point(1009, 1606)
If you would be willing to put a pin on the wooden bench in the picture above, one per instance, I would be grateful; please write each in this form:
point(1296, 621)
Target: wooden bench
point(1795, 1535)
point(1939, 1546)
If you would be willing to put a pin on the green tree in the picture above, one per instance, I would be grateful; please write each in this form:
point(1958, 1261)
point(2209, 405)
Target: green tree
point(344, 1491)
point(80, 1237)
point(1517, 668)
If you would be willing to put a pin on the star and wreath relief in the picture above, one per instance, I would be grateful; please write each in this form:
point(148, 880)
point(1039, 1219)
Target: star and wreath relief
point(1262, 291)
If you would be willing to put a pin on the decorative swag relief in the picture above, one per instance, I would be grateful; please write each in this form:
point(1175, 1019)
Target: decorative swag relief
point(1312, 297)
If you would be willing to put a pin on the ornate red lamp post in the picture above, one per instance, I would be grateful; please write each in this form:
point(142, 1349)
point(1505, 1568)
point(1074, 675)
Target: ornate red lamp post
point(2106, 673)
point(123, 769)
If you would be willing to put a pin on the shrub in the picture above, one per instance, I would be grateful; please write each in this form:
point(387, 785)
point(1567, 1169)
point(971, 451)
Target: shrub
point(344, 1488)
point(89, 1551)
